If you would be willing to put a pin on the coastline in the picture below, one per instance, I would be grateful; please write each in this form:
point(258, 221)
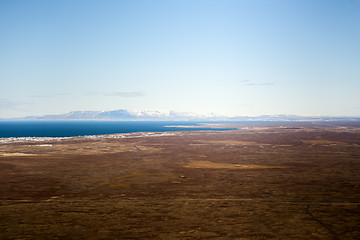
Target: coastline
point(86, 137)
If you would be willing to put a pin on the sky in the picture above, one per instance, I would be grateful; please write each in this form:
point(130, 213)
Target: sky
point(226, 57)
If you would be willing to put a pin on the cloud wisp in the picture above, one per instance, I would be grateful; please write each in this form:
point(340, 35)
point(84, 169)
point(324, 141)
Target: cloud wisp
point(51, 95)
point(125, 94)
point(253, 83)
point(7, 104)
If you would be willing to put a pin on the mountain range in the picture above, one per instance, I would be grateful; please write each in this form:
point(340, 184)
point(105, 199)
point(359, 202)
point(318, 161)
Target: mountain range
point(126, 115)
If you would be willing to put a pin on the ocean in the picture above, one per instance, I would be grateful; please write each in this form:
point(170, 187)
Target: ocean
point(82, 128)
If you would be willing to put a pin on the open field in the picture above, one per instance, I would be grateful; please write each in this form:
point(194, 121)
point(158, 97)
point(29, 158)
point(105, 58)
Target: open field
point(262, 181)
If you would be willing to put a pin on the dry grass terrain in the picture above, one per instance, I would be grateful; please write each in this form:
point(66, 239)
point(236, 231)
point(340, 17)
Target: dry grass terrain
point(262, 181)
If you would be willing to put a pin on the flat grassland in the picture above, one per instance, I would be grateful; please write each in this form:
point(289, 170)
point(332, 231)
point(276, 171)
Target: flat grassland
point(262, 181)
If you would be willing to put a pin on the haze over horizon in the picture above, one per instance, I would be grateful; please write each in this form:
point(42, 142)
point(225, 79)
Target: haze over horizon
point(231, 57)
point(145, 115)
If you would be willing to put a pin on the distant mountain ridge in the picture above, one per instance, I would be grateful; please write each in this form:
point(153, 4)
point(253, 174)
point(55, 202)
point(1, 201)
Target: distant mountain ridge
point(123, 115)
point(126, 115)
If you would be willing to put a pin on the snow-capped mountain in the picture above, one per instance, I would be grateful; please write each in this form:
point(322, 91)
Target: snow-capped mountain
point(124, 115)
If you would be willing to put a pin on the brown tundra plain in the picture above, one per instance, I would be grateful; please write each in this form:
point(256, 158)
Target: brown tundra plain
point(259, 181)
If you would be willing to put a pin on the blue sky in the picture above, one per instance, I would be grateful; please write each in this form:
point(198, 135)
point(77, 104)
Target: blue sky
point(242, 57)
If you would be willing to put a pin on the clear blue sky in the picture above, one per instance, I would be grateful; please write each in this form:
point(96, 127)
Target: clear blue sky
point(241, 57)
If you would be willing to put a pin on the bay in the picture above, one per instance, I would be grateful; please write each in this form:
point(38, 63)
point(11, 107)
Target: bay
point(82, 128)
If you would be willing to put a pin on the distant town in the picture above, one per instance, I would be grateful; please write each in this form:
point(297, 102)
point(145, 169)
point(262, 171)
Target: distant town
point(88, 137)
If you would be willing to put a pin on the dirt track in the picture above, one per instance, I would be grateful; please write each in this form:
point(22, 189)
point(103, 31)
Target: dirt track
point(260, 183)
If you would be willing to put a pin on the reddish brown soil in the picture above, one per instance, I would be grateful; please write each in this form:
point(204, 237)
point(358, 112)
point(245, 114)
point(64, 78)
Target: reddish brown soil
point(293, 182)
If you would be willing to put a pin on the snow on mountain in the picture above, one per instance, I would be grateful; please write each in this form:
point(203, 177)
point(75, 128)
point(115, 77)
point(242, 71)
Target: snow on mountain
point(122, 114)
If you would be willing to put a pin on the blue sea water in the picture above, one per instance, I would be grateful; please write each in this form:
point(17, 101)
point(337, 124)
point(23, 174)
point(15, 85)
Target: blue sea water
point(82, 128)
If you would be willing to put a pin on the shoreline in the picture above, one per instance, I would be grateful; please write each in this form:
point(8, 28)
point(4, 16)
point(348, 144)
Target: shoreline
point(85, 137)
